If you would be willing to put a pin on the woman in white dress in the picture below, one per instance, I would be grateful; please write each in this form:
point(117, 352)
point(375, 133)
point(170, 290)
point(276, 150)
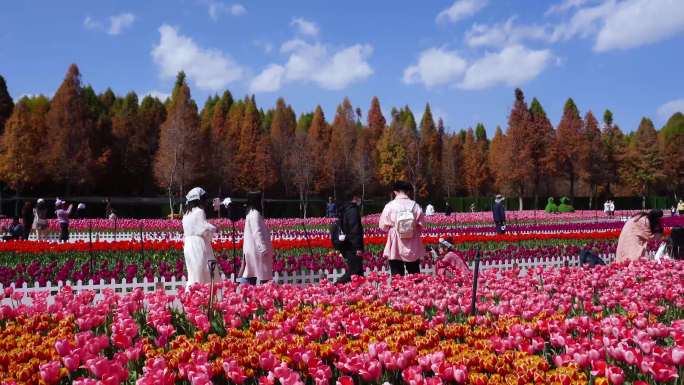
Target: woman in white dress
point(197, 242)
point(257, 262)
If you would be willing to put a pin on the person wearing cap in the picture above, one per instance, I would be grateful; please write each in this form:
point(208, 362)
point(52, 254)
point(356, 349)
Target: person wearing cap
point(63, 212)
point(80, 210)
point(197, 238)
point(499, 213)
point(449, 259)
point(40, 222)
point(257, 262)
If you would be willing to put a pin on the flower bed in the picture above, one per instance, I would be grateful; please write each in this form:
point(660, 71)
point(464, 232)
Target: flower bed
point(610, 325)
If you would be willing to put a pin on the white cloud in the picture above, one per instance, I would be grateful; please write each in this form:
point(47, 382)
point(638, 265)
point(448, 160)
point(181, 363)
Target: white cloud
point(512, 66)
point(266, 46)
point(305, 27)
point(669, 108)
point(564, 6)
point(216, 8)
point(157, 94)
point(460, 9)
point(118, 23)
point(209, 69)
point(503, 34)
point(92, 24)
point(435, 66)
point(624, 24)
point(639, 22)
point(316, 63)
point(269, 80)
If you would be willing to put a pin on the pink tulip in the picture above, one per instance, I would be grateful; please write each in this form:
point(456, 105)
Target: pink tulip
point(678, 355)
point(71, 362)
point(615, 375)
point(345, 380)
point(460, 374)
point(63, 347)
point(49, 372)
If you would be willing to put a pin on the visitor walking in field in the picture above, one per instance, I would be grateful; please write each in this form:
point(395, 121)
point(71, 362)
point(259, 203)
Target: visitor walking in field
point(330, 208)
point(257, 261)
point(27, 217)
point(63, 212)
point(197, 234)
point(499, 214)
point(349, 222)
point(40, 221)
point(402, 218)
point(636, 233)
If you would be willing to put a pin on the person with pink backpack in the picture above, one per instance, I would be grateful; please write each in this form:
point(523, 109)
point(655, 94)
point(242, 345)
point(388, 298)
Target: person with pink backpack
point(402, 218)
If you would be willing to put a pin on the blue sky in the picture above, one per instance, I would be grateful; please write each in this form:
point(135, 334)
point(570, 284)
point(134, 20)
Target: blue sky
point(463, 57)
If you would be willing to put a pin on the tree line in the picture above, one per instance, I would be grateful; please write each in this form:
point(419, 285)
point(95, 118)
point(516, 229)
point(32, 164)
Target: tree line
point(83, 142)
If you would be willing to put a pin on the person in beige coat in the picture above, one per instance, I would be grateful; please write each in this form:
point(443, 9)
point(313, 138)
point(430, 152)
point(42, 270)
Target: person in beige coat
point(636, 233)
point(257, 261)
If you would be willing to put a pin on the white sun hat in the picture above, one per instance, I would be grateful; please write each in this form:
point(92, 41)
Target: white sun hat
point(59, 202)
point(81, 206)
point(226, 202)
point(195, 194)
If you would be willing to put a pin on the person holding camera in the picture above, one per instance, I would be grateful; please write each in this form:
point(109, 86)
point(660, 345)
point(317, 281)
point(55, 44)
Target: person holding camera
point(350, 237)
point(446, 258)
point(63, 212)
point(636, 233)
point(198, 234)
point(257, 261)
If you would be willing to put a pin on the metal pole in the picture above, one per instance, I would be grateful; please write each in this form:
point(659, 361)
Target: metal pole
point(142, 243)
point(90, 241)
point(476, 274)
point(212, 268)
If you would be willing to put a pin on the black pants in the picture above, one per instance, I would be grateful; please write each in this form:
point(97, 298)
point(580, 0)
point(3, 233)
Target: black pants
point(27, 227)
point(354, 266)
point(401, 267)
point(63, 232)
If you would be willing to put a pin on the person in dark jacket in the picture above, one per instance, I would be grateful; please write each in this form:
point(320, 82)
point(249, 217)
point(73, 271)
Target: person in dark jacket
point(27, 217)
point(14, 231)
point(447, 209)
point(349, 216)
point(499, 212)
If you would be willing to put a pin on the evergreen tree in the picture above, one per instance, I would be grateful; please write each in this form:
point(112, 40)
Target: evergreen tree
point(672, 144)
point(430, 149)
point(6, 104)
point(613, 151)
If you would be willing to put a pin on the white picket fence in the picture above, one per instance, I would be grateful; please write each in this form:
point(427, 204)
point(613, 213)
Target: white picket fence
point(298, 278)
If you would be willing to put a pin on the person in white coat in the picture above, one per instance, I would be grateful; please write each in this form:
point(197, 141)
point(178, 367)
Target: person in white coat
point(430, 210)
point(257, 261)
point(197, 238)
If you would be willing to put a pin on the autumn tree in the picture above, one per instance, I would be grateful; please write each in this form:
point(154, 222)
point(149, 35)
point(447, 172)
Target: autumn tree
point(475, 172)
point(541, 138)
point(342, 141)
point(177, 162)
point(519, 162)
point(430, 147)
point(498, 160)
point(264, 168)
point(613, 151)
point(69, 152)
point(221, 151)
point(642, 168)
point(452, 160)
point(25, 133)
point(363, 160)
point(592, 171)
point(672, 145)
point(282, 130)
point(318, 143)
point(391, 153)
point(250, 140)
point(300, 164)
point(569, 144)
point(413, 158)
point(6, 104)
point(376, 122)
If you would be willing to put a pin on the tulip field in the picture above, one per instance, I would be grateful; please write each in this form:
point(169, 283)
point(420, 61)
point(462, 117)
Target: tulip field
point(615, 324)
point(618, 324)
